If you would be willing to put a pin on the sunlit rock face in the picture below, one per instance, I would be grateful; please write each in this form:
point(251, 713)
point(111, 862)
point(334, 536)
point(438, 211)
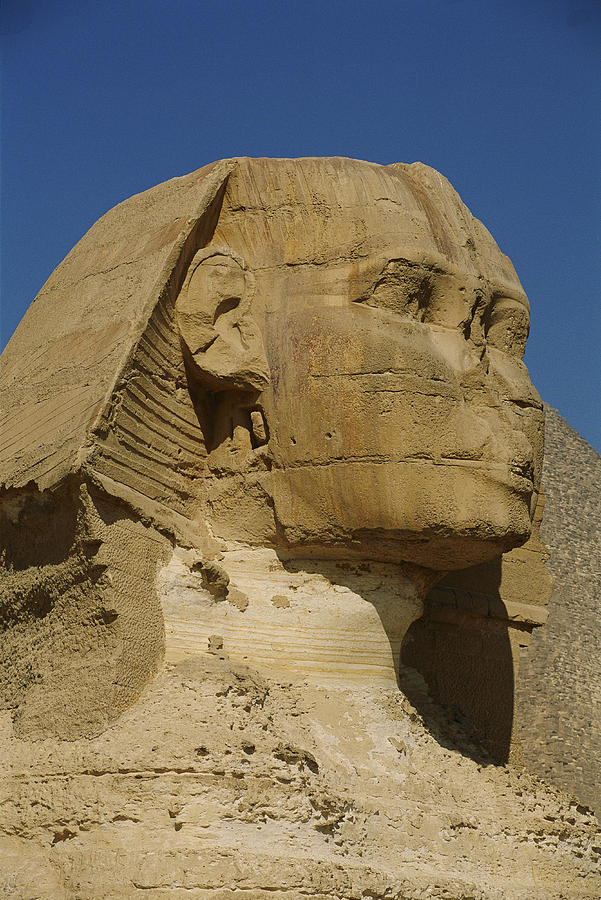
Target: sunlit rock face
point(383, 332)
point(251, 421)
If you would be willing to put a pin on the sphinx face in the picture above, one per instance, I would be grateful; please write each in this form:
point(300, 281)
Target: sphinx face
point(403, 424)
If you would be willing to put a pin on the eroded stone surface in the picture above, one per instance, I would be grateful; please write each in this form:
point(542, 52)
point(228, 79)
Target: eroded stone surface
point(560, 720)
point(223, 779)
point(272, 404)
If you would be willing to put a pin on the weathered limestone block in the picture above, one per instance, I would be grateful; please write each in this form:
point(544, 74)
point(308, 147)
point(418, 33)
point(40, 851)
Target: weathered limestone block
point(560, 695)
point(251, 424)
point(327, 622)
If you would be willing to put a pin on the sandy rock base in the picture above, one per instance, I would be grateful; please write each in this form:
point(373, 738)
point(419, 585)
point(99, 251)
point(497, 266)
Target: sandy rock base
point(220, 784)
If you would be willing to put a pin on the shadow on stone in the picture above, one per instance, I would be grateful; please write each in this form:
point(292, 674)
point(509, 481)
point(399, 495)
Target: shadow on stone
point(463, 652)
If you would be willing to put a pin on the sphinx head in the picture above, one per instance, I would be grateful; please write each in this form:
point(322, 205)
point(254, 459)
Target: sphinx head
point(359, 337)
point(351, 339)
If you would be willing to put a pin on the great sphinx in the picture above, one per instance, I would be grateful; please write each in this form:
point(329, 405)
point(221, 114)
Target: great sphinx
point(255, 420)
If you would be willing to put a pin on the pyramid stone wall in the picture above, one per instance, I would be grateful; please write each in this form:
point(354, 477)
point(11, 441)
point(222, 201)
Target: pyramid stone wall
point(560, 686)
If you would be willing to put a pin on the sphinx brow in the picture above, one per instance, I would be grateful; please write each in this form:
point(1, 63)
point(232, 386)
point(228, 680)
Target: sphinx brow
point(435, 268)
point(513, 296)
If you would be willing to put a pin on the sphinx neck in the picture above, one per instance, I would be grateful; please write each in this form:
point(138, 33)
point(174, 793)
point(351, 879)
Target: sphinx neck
point(320, 620)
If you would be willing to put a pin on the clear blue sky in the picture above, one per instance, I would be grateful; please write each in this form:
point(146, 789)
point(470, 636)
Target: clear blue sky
point(102, 99)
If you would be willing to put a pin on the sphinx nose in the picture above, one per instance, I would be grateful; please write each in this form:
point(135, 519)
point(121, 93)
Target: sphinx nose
point(465, 360)
point(473, 377)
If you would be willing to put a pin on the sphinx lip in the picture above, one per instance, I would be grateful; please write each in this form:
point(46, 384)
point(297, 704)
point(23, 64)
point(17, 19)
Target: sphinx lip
point(522, 485)
point(516, 474)
point(521, 468)
point(524, 471)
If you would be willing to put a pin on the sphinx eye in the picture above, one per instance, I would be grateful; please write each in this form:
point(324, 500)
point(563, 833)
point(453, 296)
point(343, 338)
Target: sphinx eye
point(506, 326)
point(400, 288)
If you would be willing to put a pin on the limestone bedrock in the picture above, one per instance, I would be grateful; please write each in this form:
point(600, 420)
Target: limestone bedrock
point(251, 420)
point(325, 621)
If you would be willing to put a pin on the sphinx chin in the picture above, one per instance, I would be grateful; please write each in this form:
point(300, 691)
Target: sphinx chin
point(436, 517)
point(440, 550)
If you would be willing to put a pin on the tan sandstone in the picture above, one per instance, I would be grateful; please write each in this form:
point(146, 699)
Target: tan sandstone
point(267, 430)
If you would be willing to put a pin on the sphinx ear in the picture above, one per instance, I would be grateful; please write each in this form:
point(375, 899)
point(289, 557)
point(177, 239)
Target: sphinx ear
point(221, 341)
